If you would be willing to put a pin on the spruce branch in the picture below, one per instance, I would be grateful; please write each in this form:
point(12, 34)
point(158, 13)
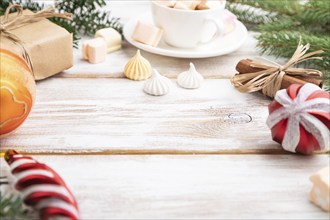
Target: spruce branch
point(284, 43)
point(316, 13)
point(279, 36)
point(279, 25)
point(27, 4)
point(285, 7)
point(11, 205)
point(87, 15)
point(251, 16)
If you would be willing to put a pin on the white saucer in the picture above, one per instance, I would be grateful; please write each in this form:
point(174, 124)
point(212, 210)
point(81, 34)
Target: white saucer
point(219, 46)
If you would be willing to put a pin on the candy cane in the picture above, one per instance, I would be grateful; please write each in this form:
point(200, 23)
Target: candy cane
point(42, 188)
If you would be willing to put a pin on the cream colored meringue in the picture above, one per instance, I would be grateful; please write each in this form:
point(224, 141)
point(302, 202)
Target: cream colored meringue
point(190, 79)
point(138, 68)
point(157, 85)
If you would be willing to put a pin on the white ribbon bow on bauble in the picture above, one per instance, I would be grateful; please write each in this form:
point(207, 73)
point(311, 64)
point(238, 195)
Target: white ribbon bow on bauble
point(297, 111)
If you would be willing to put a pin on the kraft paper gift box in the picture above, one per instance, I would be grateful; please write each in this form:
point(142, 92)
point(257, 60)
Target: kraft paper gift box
point(48, 45)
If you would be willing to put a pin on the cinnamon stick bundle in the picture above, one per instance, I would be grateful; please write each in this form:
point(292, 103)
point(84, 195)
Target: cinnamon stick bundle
point(244, 66)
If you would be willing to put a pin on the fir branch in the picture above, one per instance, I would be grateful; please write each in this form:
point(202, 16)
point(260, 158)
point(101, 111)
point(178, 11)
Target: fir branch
point(87, 16)
point(309, 20)
point(292, 24)
point(284, 43)
point(251, 16)
point(285, 7)
point(26, 4)
point(279, 25)
point(12, 207)
point(316, 13)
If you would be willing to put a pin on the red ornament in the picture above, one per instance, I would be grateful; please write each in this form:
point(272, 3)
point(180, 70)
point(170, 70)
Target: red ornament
point(299, 118)
point(42, 188)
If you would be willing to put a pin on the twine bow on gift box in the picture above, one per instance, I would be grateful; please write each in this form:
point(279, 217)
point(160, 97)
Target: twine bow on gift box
point(269, 77)
point(8, 24)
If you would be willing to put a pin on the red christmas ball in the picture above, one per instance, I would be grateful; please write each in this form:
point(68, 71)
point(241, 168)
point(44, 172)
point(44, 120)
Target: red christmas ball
point(299, 118)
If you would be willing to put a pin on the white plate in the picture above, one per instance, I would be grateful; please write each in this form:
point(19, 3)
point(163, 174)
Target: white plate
point(218, 46)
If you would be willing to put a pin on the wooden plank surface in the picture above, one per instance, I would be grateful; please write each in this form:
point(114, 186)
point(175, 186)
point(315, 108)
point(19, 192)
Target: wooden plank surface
point(115, 115)
point(190, 187)
point(214, 67)
point(92, 109)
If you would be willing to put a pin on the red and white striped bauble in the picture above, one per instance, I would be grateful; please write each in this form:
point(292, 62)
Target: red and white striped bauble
point(299, 118)
point(42, 188)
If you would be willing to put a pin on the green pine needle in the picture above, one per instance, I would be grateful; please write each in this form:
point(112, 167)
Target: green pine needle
point(87, 16)
point(316, 13)
point(30, 4)
point(12, 207)
point(279, 25)
point(284, 43)
point(283, 7)
point(251, 16)
point(295, 19)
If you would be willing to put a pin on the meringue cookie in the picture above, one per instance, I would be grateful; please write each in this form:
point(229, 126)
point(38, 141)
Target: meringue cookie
point(138, 68)
point(190, 79)
point(157, 85)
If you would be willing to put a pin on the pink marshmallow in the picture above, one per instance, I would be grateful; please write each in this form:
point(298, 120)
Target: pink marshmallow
point(95, 50)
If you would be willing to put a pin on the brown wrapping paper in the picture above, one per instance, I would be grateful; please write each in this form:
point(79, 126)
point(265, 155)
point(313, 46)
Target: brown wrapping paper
point(49, 46)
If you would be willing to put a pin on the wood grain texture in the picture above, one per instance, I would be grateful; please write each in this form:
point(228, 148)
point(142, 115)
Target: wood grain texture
point(115, 115)
point(191, 187)
point(215, 67)
point(86, 111)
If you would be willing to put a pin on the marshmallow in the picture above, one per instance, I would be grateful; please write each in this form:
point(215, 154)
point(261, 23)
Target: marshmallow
point(320, 193)
point(111, 37)
point(202, 5)
point(167, 3)
point(186, 5)
point(147, 34)
point(95, 50)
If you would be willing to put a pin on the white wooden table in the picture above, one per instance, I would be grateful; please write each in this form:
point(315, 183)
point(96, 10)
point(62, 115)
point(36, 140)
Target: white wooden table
point(192, 154)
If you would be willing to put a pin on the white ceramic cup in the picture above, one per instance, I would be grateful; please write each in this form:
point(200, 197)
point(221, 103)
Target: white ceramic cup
point(188, 28)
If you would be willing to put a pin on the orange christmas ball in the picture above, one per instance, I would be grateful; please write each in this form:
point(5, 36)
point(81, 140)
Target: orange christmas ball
point(17, 91)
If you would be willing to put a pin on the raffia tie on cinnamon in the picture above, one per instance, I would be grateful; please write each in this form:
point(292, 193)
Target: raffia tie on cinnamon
point(269, 79)
point(8, 24)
